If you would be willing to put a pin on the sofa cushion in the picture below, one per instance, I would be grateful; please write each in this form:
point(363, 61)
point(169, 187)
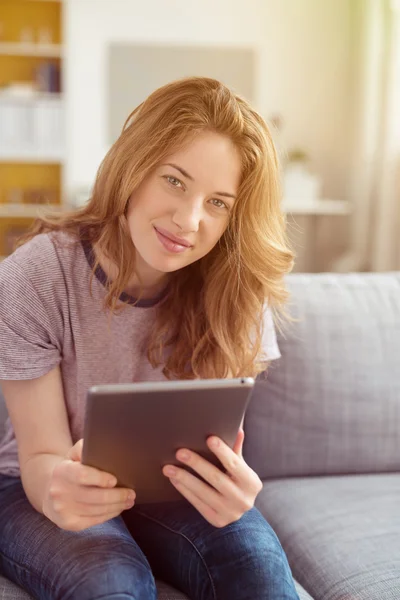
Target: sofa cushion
point(10, 591)
point(331, 404)
point(341, 534)
point(303, 595)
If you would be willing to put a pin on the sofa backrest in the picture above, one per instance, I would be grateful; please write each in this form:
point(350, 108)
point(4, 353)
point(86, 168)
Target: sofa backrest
point(331, 404)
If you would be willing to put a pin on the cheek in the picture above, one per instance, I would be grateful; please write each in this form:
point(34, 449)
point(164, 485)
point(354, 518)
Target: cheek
point(143, 200)
point(219, 229)
point(213, 234)
point(139, 215)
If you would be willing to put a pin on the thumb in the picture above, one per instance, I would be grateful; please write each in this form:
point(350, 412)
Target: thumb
point(75, 453)
point(238, 447)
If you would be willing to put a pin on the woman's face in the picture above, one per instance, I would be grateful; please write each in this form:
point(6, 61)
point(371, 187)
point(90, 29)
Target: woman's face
point(182, 208)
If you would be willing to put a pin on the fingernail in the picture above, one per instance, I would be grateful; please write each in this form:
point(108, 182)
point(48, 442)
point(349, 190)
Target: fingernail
point(170, 471)
point(131, 496)
point(214, 441)
point(183, 455)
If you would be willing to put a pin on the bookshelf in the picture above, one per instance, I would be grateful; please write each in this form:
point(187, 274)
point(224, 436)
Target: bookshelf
point(21, 211)
point(31, 114)
point(30, 49)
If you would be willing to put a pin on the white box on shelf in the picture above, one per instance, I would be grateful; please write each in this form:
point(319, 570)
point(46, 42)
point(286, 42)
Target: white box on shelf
point(31, 128)
point(16, 131)
point(49, 126)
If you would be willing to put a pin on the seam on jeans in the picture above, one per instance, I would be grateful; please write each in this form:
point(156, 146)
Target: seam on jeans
point(188, 540)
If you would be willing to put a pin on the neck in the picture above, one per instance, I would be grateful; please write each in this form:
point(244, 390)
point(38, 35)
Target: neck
point(145, 281)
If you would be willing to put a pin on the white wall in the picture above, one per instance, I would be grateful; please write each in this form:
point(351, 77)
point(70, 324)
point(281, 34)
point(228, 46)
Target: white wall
point(304, 69)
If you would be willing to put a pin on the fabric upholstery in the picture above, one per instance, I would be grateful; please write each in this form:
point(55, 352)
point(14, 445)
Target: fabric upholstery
point(331, 404)
point(9, 591)
point(341, 534)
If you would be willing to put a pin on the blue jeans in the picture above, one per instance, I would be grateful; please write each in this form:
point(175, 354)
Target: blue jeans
point(119, 559)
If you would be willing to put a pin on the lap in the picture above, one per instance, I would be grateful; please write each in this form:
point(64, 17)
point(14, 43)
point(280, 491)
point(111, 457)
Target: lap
point(51, 563)
point(243, 560)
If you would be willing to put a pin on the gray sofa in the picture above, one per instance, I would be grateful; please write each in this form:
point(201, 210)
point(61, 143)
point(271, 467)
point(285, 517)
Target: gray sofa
point(323, 432)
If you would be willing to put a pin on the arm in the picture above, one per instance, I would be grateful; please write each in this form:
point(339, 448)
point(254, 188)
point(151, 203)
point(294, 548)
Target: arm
point(39, 417)
point(72, 495)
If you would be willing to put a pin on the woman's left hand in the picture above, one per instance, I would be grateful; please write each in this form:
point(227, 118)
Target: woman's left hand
point(229, 495)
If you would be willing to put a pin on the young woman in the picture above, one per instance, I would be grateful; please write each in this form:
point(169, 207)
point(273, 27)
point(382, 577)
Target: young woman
point(166, 272)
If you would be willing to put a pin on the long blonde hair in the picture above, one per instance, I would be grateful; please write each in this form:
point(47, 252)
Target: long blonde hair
point(216, 331)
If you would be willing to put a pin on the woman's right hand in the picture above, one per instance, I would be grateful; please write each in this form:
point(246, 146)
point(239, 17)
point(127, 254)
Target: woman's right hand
point(78, 496)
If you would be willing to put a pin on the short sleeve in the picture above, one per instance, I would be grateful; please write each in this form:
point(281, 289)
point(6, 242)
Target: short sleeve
point(269, 342)
point(28, 342)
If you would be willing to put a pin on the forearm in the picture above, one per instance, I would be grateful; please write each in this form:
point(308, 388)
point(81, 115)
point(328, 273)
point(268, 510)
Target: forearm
point(36, 472)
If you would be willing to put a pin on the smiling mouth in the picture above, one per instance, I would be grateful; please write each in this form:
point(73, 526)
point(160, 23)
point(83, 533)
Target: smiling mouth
point(171, 244)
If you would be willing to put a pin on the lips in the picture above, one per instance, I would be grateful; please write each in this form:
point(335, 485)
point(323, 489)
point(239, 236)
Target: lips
point(173, 238)
point(170, 242)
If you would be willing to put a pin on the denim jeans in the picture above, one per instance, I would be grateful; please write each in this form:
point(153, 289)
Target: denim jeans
point(120, 558)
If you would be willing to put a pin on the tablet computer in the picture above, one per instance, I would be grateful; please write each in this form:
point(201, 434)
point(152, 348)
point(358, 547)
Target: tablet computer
point(133, 430)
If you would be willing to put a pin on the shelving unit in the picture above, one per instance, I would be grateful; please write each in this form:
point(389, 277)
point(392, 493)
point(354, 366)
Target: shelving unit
point(312, 211)
point(37, 50)
point(301, 206)
point(22, 211)
point(31, 122)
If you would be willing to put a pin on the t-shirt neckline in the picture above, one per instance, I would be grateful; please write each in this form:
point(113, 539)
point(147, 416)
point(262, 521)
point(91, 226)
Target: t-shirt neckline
point(103, 279)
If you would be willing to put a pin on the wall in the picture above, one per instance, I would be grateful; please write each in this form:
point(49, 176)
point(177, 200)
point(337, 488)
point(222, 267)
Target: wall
point(305, 71)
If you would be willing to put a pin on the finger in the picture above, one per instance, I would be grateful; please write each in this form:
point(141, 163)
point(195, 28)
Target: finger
point(103, 496)
point(86, 522)
point(79, 474)
point(230, 460)
point(207, 511)
point(238, 446)
point(245, 479)
point(75, 453)
point(218, 487)
point(99, 510)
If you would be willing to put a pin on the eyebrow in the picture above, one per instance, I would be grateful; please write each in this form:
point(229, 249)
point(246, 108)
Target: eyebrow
point(186, 174)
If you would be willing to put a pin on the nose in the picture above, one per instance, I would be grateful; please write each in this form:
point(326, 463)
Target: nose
point(189, 215)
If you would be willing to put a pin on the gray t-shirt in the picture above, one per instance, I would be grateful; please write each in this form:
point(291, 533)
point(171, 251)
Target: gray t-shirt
point(50, 315)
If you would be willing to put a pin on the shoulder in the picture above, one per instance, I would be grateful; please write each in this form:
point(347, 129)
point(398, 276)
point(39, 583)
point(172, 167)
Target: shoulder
point(39, 263)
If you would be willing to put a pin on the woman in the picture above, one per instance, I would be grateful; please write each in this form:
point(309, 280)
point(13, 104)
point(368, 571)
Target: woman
point(165, 273)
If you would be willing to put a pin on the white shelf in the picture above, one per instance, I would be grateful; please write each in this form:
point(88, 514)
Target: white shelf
point(32, 157)
point(25, 211)
point(21, 49)
point(300, 206)
point(33, 96)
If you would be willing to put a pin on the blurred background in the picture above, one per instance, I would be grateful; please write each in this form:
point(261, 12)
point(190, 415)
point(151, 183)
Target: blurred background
point(325, 74)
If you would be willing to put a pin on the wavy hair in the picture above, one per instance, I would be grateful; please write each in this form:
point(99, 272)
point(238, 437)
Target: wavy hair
point(217, 331)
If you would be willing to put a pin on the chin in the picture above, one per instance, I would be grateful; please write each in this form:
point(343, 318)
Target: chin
point(164, 264)
point(169, 266)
